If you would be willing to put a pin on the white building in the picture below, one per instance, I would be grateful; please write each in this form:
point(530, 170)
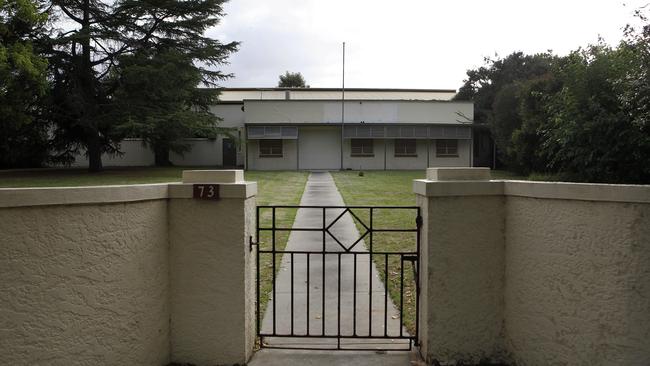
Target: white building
point(313, 128)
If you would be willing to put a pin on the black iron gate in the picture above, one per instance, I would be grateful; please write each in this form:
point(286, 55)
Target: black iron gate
point(323, 293)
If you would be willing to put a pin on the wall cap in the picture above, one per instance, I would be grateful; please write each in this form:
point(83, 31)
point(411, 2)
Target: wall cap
point(458, 173)
point(50, 196)
point(45, 196)
point(213, 176)
point(550, 190)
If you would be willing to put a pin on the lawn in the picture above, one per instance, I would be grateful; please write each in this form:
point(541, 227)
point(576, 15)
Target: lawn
point(387, 188)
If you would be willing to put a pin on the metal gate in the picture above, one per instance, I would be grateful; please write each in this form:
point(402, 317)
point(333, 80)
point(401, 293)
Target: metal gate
point(326, 291)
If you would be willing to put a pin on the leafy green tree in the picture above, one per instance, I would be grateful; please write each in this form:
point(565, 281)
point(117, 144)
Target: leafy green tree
point(157, 99)
point(592, 135)
point(97, 35)
point(292, 80)
point(496, 90)
point(23, 136)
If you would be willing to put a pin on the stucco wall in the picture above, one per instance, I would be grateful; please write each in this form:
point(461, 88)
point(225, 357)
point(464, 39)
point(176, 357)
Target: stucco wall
point(552, 273)
point(84, 284)
point(464, 268)
point(207, 278)
point(577, 282)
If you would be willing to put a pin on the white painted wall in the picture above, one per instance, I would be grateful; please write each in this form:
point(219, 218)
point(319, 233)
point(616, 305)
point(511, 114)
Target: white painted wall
point(375, 162)
point(407, 112)
point(269, 94)
point(319, 147)
point(288, 161)
point(463, 159)
point(406, 163)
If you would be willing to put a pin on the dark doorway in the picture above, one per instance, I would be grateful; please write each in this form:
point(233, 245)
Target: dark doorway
point(229, 152)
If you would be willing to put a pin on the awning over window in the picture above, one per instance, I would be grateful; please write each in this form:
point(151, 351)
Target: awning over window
point(272, 132)
point(408, 132)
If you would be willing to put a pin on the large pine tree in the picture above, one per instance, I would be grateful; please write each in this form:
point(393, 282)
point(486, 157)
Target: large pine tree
point(95, 35)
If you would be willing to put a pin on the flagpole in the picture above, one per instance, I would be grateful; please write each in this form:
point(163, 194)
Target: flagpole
point(342, 106)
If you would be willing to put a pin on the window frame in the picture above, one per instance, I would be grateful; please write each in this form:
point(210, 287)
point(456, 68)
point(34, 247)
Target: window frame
point(272, 149)
point(406, 144)
point(364, 151)
point(447, 153)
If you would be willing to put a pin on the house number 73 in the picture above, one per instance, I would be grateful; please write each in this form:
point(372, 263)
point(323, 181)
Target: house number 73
point(206, 191)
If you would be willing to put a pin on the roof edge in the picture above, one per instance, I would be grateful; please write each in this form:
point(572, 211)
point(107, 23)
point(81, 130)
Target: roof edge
point(338, 89)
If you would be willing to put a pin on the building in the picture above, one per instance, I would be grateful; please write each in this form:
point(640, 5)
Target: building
point(315, 128)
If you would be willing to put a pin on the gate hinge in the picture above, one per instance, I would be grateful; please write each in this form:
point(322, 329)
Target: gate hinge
point(418, 221)
point(251, 242)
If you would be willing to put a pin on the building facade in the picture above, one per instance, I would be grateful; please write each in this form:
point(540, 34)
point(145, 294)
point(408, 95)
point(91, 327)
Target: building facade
point(316, 129)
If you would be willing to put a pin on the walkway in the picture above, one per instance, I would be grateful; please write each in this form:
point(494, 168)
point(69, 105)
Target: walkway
point(321, 191)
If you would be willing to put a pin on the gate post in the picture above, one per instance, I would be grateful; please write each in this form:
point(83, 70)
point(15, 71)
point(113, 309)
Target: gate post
point(212, 268)
point(462, 265)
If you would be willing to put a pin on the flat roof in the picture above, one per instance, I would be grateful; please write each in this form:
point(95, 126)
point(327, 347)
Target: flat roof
point(361, 100)
point(346, 89)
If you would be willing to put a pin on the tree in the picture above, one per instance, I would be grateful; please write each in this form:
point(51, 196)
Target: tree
point(23, 136)
point(593, 135)
point(83, 57)
point(157, 99)
point(292, 80)
point(496, 90)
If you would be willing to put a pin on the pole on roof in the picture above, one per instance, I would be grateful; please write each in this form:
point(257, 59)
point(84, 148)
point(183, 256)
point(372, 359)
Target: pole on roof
point(342, 105)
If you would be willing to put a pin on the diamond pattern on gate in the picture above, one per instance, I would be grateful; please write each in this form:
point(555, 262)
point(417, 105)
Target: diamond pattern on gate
point(354, 216)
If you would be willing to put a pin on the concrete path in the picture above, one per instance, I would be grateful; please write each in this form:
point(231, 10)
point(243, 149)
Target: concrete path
point(362, 312)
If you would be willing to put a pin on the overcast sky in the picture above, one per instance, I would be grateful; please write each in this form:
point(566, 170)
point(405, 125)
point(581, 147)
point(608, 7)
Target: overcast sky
point(404, 43)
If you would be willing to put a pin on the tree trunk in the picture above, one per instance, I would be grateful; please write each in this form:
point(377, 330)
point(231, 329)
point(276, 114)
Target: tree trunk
point(162, 156)
point(94, 154)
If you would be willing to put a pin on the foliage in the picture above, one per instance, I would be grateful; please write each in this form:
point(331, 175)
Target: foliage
point(23, 136)
point(591, 135)
point(292, 80)
point(496, 91)
point(97, 36)
point(156, 98)
point(581, 117)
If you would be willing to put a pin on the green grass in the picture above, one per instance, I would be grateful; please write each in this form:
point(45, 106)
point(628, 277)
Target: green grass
point(387, 188)
point(81, 177)
point(275, 188)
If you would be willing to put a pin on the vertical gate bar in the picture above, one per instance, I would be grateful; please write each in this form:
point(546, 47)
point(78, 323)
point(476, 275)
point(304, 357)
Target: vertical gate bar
point(323, 291)
point(417, 277)
point(291, 293)
point(354, 297)
point(386, 295)
point(338, 340)
point(273, 255)
point(370, 278)
point(401, 294)
point(257, 264)
point(308, 259)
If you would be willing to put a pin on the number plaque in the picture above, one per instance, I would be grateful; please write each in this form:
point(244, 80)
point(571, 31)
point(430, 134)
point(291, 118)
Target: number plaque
point(206, 191)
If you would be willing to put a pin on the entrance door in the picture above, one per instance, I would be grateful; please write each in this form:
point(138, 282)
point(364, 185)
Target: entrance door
point(319, 148)
point(229, 152)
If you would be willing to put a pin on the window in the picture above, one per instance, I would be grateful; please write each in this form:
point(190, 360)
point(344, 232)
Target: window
point(270, 148)
point(405, 147)
point(446, 148)
point(361, 147)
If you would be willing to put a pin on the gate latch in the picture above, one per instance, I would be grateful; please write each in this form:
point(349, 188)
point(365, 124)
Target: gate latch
point(251, 242)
